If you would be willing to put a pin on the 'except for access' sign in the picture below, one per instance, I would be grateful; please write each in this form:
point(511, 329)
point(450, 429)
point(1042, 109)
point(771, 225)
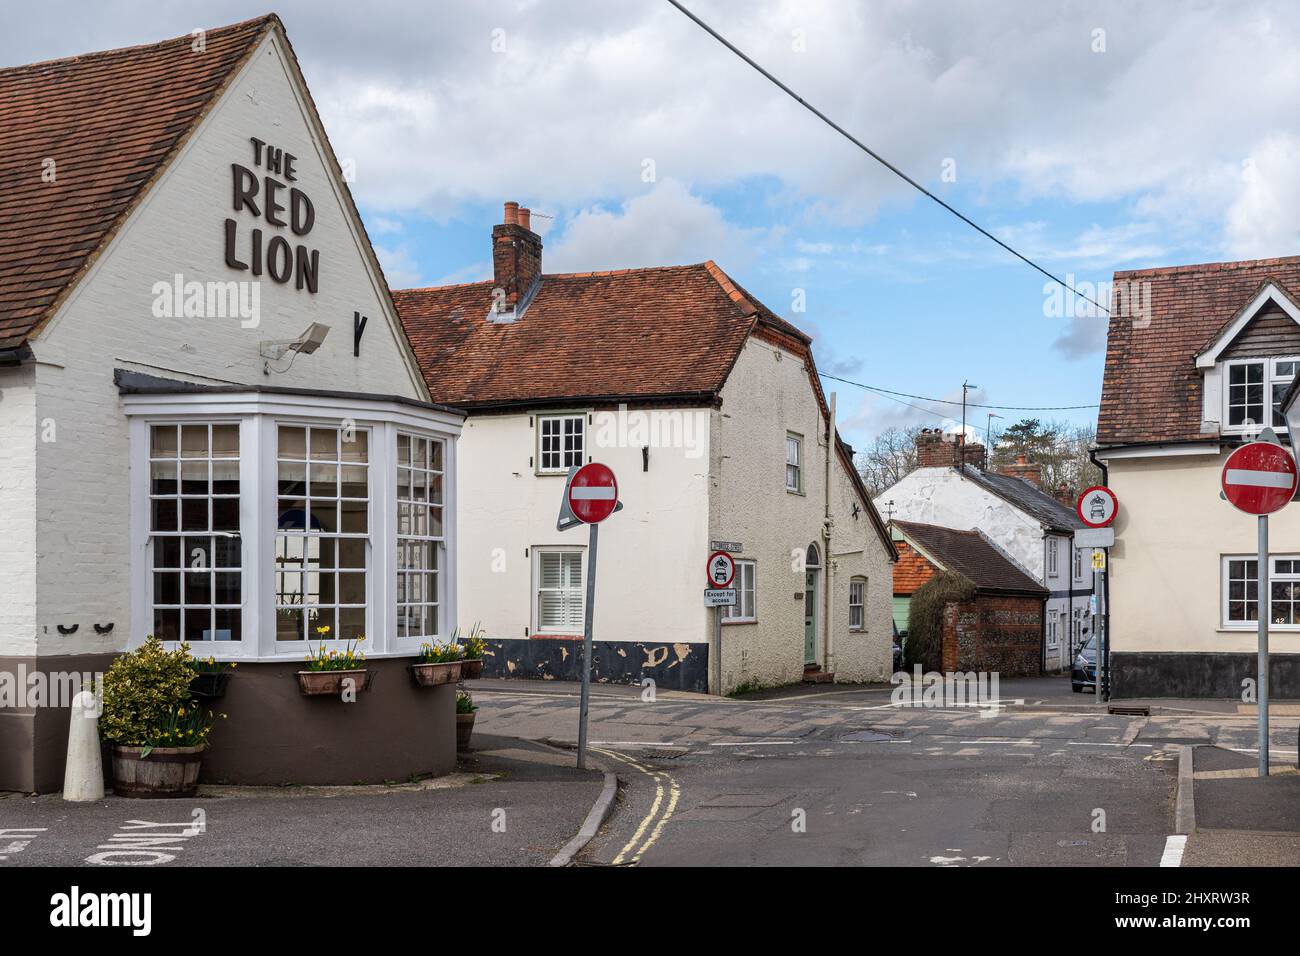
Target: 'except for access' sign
point(720, 597)
point(1259, 478)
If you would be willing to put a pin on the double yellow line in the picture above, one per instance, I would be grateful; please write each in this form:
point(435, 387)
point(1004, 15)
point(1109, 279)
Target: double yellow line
point(649, 823)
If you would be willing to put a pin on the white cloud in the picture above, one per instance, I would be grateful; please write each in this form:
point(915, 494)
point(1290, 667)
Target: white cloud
point(400, 268)
point(666, 226)
point(1264, 219)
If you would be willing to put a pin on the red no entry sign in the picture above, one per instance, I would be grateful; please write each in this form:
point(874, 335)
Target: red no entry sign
point(1259, 478)
point(593, 493)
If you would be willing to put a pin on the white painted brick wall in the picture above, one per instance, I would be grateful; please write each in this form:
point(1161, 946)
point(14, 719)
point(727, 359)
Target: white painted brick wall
point(82, 480)
point(17, 512)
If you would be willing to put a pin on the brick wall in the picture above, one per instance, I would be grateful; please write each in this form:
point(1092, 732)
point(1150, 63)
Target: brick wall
point(994, 634)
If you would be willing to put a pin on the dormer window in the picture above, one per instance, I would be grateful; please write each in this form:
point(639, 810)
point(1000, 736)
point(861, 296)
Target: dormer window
point(1249, 383)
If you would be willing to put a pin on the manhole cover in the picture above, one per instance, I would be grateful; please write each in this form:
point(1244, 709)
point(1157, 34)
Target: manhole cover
point(865, 736)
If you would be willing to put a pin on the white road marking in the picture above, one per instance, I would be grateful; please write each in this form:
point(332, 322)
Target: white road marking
point(1173, 855)
point(757, 743)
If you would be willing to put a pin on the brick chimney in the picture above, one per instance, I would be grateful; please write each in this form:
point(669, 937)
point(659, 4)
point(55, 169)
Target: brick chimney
point(516, 256)
point(1031, 472)
point(974, 455)
point(934, 449)
point(1063, 495)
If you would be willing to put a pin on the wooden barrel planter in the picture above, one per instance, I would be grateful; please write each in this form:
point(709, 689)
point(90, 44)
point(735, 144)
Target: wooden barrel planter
point(330, 683)
point(471, 670)
point(432, 675)
point(464, 729)
point(166, 772)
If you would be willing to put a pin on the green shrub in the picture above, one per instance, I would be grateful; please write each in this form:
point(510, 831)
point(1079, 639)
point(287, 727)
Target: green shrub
point(143, 690)
point(924, 644)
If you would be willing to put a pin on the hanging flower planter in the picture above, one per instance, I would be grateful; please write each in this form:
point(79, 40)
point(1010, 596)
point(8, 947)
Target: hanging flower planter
point(438, 664)
point(432, 675)
point(333, 673)
point(331, 683)
point(210, 679)
point(471, 669)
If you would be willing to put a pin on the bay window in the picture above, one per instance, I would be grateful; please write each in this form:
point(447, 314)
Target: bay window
point(419, 535)
point(261, 519)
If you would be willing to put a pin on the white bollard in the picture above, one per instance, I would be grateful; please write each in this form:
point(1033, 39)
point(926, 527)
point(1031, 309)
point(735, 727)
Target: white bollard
point(83, 776)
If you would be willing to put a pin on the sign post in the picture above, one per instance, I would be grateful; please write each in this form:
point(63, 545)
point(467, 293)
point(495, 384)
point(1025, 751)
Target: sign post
point(1097, 508)
point(591, 496)
point(720, 572)
point(1260, 478)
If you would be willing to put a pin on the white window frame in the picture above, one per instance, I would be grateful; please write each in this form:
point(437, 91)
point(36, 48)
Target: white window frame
point(1271, 379)
point(1290, 577)
point(859, 582)
point(1053, 556)
point(797, 464)
point(1077, 558)
point(439, 542)
point(535, 587)
point(745, 610)
point(258, 415)
point(561, 419)
point(1053, 634)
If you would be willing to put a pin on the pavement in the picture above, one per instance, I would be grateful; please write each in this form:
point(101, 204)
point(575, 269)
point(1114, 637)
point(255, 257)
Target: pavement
point(1241, 818)
point(511, 802)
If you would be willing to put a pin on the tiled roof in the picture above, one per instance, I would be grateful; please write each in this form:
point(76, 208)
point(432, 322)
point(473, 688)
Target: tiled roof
point(108, 122)
point(629, 334)
point(1151, 391)
point(912, 569)
point(1026, 496)
point(971, 555)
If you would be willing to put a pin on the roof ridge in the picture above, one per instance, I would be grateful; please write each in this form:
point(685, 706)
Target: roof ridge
point(1212, 266)
point(732, 291)
point(599, 274)
point(93, 55)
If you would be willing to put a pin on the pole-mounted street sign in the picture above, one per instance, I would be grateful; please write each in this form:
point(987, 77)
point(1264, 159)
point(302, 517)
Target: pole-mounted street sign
point(1260, 478)
point(721, 569)
point(590, 496)
point(1097, 506)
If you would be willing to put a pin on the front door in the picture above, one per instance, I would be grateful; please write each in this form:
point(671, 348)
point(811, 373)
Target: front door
point(810, 617)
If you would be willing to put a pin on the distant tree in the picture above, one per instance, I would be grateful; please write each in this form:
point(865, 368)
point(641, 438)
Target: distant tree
point(888, 458)
point(1059, 448)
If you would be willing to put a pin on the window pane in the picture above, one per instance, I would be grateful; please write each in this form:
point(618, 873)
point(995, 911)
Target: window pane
point(194, 441)
point(293, 442)
point(225, 441)
point(162, 441)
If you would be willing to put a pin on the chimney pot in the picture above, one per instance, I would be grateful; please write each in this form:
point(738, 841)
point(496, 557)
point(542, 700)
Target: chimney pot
point(512, 213)
point(525, 218)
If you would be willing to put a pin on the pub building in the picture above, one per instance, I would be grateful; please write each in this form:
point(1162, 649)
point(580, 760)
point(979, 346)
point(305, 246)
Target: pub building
point(212, 426)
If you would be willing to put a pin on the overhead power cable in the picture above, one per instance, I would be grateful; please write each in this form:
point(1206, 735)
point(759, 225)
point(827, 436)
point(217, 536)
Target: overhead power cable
point(949, 401)
point(880, 159)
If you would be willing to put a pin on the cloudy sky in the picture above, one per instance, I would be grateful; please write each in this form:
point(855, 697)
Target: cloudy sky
point(1092, 136)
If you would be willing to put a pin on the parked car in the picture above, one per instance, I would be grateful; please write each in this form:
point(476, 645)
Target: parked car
point(1083, 673)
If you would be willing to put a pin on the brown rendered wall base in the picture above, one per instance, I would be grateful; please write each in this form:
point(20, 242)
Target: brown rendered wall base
point(34, 740)
point(272, 734)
